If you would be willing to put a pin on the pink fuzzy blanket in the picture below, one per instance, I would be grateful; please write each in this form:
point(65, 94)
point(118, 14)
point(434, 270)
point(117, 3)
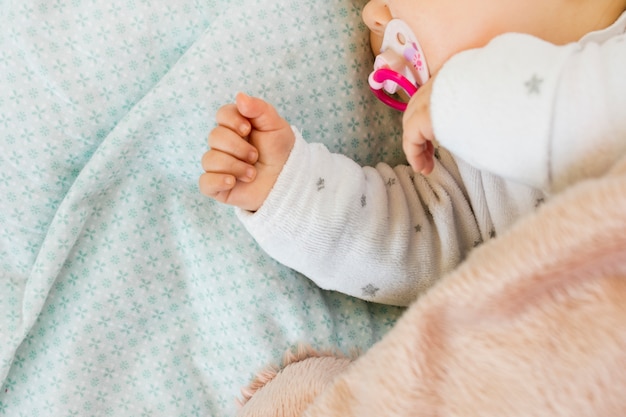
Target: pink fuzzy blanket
point(532, 324)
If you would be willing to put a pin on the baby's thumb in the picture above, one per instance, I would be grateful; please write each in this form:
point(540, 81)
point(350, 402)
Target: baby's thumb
point(262, 115)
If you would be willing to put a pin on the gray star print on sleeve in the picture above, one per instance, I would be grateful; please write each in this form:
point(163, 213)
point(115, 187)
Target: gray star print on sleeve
point(370, 290)
point(533, 85)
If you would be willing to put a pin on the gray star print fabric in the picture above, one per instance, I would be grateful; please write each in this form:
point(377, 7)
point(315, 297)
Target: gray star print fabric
point(123, 291)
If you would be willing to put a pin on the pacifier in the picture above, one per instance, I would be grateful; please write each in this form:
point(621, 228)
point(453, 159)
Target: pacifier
point(400, 64)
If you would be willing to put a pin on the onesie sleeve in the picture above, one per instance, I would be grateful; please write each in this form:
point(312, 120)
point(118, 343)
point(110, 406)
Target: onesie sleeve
point(533, 112)
point(382, 234)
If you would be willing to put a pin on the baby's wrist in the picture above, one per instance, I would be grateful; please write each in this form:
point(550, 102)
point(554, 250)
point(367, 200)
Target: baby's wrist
point(269, 176)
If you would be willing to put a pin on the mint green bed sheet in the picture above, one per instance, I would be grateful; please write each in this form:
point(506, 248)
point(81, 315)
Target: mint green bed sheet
point(123, 291)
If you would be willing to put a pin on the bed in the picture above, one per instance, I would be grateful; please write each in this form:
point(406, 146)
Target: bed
point(123, 290)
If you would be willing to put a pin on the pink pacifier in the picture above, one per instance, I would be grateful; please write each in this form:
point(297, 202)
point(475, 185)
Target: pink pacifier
point(401, 63)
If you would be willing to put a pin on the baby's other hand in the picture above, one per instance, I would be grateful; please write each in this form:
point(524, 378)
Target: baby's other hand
point(248, 150)
point(418, 136)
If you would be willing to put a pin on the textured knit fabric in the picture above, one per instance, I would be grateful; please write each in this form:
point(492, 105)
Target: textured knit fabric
point(383, 234)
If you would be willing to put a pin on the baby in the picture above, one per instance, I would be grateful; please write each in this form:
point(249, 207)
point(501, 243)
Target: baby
point(522, 99)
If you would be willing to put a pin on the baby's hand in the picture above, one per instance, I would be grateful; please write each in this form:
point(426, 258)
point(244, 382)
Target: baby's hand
point(418, 133)
point(248, 149)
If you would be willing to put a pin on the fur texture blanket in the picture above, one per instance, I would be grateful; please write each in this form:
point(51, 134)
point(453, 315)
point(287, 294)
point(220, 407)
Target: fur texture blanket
point(532, 324)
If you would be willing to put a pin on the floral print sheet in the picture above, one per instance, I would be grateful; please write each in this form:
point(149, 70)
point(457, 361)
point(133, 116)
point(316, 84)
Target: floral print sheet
point(123, 291)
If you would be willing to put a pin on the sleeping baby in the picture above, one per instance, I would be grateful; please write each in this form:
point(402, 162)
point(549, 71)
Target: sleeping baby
point(510, 102)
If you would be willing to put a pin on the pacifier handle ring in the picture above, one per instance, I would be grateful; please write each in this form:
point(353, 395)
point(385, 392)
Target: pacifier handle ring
point(385, 74)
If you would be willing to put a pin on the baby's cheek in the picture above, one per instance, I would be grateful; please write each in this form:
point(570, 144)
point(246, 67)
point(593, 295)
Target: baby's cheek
point(376, 42)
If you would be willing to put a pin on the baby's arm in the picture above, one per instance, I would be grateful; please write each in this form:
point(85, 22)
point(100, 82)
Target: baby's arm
point(248, 149)
point(533, 112)
point(383, 234)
